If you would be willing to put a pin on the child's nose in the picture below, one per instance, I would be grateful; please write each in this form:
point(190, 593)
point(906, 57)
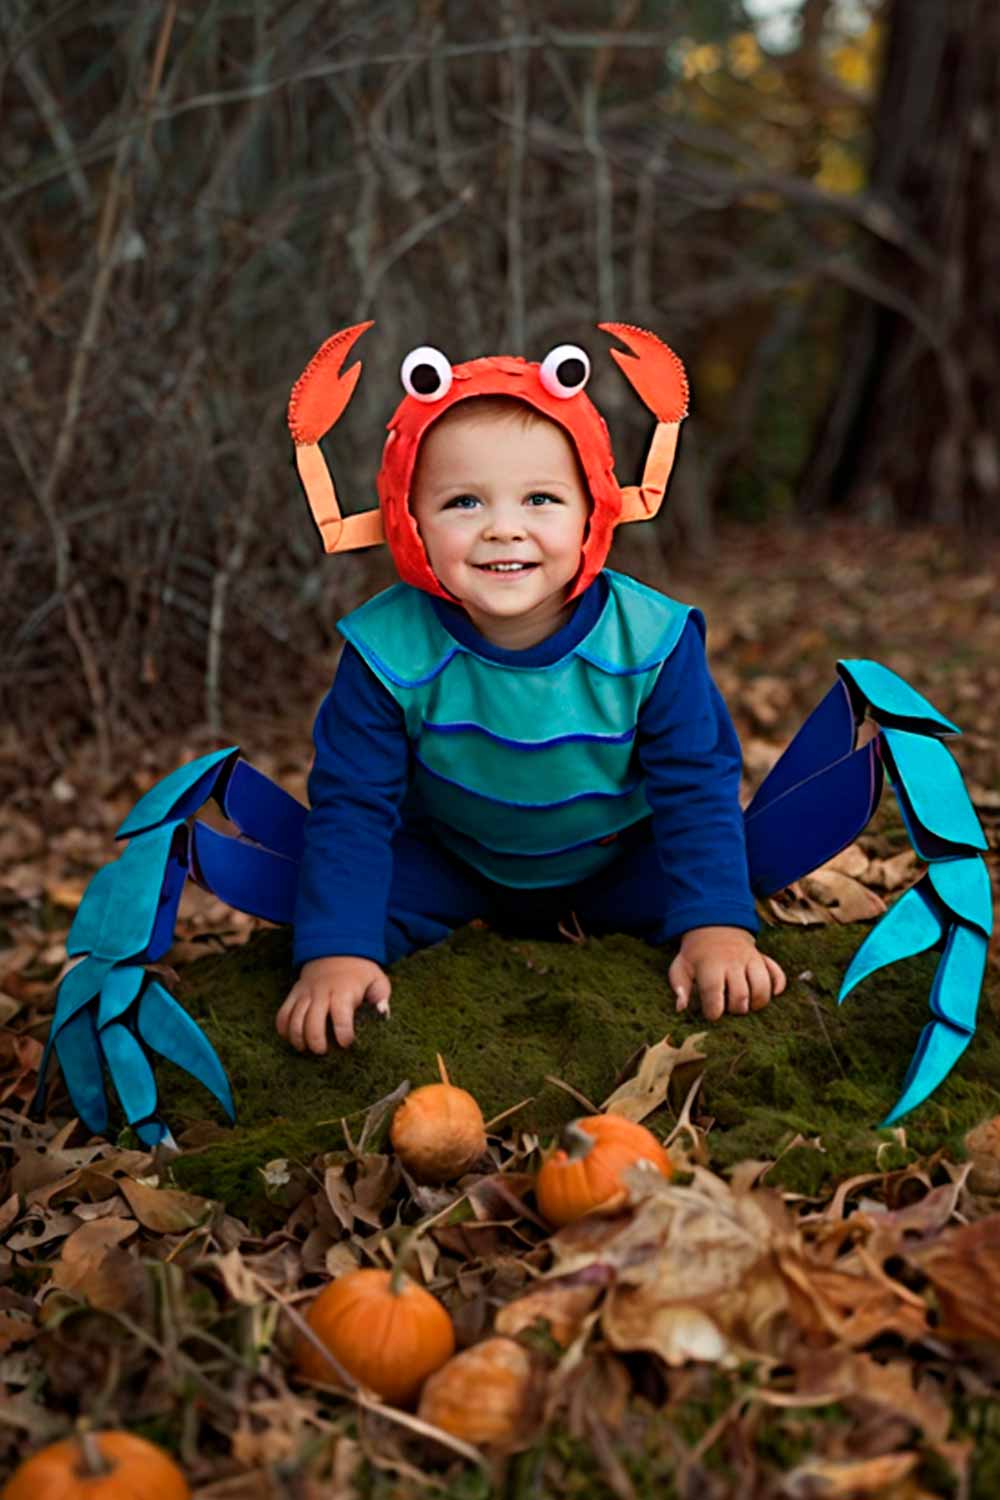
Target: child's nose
point(504, 523)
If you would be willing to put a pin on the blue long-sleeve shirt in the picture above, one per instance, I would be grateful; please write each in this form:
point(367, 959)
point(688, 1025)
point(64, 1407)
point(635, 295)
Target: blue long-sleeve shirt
point(685, 744)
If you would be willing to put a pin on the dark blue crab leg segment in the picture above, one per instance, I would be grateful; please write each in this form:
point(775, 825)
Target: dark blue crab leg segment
point(130, 1072)
point(171, 890)
point(245, 876)
point(891, 699)
point(826, 736)
point(80, 1059)
point(808, 824)
point(178, 795)
point(264, 811)
point(912, 925)
point(939, 817)
point(168, 1029)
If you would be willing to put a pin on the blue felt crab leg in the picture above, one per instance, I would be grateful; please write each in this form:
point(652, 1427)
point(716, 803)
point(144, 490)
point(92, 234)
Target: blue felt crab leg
point(821, 794)
point(110, 1015)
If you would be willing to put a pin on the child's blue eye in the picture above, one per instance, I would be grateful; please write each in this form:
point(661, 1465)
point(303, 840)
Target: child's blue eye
point(541, 498)
point(461, 502)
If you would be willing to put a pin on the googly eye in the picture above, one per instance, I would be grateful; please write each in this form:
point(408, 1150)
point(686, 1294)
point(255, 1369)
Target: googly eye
point(426, 374)
point(565, 371)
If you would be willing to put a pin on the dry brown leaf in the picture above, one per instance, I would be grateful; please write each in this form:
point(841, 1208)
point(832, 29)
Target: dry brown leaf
point(94, 1267)
point(9, 1006)
point(340, 1259)
point(839, 1374)
point(66, 891)
point(41, 1227)
point(853, 1307)
point(766, 698)
point(9, 1212)
point(639, 1096)
point(562, 1306)
point(963, 1266)
point(635, 1318)
point(895, 872)
point(14, 1330)
point(794, 907)
point(693, 1268)
point(164, 1209)
point(846, 898)
point(238, 1279)
point(19, 1060)
point(819, 1478)
point(851, 861)
point(983, 1146)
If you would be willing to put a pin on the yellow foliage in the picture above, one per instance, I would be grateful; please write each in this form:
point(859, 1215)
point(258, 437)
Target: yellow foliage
point(852, 64)
point(743, 54)
point(839, 170)
point(701, 59)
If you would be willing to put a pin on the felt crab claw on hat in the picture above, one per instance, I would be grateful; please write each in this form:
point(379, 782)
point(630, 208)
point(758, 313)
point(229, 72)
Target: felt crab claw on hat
point(555, 387)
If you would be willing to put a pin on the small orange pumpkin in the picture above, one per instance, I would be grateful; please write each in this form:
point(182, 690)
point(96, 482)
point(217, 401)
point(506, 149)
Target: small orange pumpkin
point(382, 1328)
point(586, 1172)
point(438, 1131)
point(98, 1466)
point(486, 1394)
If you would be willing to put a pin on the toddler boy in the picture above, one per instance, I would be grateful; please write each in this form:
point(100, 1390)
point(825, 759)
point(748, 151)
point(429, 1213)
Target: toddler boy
point(513, 743)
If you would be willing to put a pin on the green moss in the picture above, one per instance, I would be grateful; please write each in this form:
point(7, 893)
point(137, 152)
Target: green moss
point(507, 1012)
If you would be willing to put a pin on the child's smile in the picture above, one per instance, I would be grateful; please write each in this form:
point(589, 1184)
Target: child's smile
point(502, 511)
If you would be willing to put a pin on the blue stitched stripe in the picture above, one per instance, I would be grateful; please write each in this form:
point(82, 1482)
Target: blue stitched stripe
point(560, 739)
point(470, 791)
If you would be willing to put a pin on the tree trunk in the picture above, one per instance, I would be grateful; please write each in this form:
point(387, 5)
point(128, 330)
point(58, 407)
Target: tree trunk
point(912, 432)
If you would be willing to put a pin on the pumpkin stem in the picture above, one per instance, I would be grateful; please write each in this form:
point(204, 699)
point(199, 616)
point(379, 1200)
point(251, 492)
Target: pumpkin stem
point(576, 1142)
point(443, 1070)
point(93, 1464)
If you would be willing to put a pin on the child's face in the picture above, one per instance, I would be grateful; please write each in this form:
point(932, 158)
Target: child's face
point(492, 490)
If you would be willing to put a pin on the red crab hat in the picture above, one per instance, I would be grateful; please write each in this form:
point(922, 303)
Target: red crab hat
point(555, 388)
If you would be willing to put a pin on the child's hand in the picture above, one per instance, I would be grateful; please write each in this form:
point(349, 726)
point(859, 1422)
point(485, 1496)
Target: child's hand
point(727, 968)
point(331, 990)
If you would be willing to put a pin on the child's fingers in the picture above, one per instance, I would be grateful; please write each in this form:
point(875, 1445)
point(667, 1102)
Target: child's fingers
point(712, 989)
point(738, 989)
point(281, 1019)
point(760, 978)
point(342, 1008)
point(292, 1017)
point(777, 973)
point(378, 993)
point(679, 979)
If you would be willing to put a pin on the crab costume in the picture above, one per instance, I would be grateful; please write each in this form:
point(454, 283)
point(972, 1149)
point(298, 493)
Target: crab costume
point(487, 773)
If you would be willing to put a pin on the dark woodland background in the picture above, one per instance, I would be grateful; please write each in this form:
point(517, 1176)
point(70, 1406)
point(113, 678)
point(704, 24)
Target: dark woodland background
point(802, 198)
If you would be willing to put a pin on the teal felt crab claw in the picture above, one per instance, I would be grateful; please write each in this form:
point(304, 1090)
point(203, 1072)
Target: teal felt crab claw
point(111, 1016)
point(830, 783)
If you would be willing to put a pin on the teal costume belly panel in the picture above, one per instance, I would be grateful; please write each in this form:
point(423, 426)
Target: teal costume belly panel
point(525, 772)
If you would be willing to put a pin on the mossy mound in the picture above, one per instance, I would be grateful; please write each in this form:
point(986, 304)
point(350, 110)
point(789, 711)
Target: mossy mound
point(507, 1013)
